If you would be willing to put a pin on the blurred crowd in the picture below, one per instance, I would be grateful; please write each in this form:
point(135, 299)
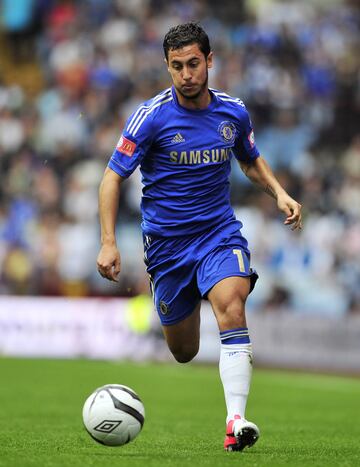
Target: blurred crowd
point(296, 66)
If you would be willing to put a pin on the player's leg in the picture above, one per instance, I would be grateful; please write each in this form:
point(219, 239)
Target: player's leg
point(183, 338)
point(228, 298)
point(225, 278)
point(172, 271)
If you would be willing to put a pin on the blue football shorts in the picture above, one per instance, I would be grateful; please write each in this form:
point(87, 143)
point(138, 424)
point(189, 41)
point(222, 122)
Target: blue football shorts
point(183, 270)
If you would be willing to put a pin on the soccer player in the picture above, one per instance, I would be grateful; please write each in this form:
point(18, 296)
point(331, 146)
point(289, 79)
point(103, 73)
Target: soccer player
point(183, 139)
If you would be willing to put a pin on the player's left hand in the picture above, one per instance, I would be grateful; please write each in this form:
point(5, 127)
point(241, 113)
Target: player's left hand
point(292, 209)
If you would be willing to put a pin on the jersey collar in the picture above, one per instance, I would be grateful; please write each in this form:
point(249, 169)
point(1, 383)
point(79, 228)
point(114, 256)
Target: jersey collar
point(208, 109)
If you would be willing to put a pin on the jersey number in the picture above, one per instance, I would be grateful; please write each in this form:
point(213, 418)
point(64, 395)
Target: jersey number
point(240, 258)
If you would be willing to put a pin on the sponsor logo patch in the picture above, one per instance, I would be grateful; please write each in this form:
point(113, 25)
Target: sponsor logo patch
point(125, 146)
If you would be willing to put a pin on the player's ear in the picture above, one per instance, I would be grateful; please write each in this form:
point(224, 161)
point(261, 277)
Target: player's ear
point(167, 64)
point(209, 60)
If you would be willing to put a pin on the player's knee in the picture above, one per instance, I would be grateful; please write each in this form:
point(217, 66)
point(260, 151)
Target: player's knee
point(185, 354)
point(233, 314)
point(236, 310)
point(184, 357)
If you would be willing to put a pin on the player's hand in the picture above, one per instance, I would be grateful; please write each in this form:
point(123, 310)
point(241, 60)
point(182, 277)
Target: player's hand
point(108, 262)
point(292, 209)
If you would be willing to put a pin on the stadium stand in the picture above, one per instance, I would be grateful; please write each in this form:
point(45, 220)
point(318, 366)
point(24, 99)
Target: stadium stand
point(70, 73)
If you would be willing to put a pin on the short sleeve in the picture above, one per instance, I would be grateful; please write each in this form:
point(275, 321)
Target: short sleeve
point(245, 147)
point(133, 144)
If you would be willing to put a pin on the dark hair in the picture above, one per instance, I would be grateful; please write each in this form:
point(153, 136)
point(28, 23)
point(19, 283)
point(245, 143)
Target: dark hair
point(185, 34)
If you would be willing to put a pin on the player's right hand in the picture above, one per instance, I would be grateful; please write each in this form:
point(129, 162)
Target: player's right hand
point(108, 262)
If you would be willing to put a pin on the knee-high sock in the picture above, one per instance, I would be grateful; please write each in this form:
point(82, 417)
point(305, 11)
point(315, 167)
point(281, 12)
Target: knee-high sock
point(235, 370)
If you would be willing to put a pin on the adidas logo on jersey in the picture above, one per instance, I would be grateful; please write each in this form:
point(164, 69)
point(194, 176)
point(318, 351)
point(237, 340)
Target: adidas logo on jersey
point(178, 138)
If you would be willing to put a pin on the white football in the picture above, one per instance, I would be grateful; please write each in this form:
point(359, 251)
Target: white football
point(113, 415)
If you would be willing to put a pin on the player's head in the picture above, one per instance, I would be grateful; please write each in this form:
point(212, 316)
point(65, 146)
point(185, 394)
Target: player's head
point(188, 56)
point(186, 34)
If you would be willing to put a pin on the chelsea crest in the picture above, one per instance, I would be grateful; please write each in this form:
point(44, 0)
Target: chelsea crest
point(227, 132)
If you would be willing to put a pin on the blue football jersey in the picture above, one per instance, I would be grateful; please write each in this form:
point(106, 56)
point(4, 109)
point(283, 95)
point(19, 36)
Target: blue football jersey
point(184, 158)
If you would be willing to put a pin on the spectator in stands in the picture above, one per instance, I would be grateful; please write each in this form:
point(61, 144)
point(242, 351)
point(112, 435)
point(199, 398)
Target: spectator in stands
point(295, 65)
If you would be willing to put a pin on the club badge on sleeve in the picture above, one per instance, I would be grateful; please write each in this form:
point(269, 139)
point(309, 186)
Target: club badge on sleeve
point(251, 138)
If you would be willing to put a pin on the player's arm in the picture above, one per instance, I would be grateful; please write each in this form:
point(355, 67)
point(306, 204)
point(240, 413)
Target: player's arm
point(131, 148)
point(127, 155)
point(108, 261)
point(260, 173)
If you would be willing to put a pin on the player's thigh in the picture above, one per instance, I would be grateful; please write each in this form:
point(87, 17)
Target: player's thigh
point(228, 298)
point(183, 337)
point(226, 278)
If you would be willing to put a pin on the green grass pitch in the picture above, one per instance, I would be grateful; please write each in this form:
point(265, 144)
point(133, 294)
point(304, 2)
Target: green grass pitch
point(305, 420)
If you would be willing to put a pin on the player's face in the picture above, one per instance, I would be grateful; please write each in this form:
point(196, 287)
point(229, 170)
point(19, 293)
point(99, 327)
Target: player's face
point(188, 68)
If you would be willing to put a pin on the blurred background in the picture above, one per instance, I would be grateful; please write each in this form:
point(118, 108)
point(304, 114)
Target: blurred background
point(72, 71)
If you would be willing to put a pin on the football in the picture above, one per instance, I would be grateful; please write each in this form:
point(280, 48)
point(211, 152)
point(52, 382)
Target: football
point(113, 415)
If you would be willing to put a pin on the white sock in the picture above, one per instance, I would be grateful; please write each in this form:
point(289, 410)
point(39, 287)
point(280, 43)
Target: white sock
point(235, 371)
